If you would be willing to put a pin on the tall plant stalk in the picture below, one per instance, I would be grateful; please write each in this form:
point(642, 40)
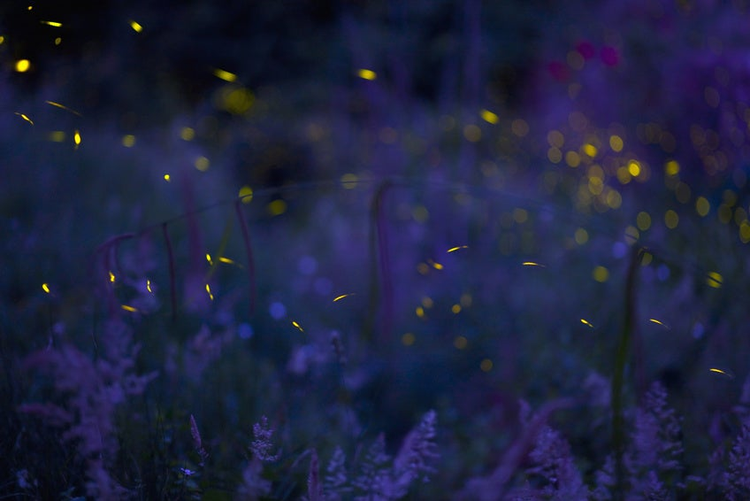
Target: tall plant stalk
point(618, 379)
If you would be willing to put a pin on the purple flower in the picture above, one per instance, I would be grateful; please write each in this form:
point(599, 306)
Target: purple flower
point(554, 462)
point(262, 444)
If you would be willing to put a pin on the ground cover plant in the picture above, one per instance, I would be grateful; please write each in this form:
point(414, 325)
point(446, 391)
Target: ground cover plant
point(448, 250)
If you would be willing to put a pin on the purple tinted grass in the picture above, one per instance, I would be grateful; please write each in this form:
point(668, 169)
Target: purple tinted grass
point(170, 256)
point(381, 237)
point(314, 490)
point(494, 485)
point(249, 252)
point(622, 355)
point(108, 252)
point(195, 299)
point(197, 441)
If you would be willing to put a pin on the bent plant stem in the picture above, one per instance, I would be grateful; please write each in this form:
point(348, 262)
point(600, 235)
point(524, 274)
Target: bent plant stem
point(618, 379)
point(172, 285)
point(249, 252)
point(225, 235)
point(380, 268)
point(108, 252)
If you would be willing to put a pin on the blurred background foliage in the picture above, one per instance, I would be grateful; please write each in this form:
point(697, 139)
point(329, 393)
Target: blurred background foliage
point(546, 133)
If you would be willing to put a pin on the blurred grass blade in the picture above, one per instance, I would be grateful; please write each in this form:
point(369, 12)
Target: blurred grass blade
point(621, 359)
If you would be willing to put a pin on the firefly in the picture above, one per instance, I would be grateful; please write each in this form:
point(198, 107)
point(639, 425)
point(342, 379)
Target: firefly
point(367, 74)
point(342, 296)
point(62, 107)
point(722, 372)
point(532, 263)
point(435, 265)
point(225, 75)
point(454, 249)
point(25, 117)
point(658, 322)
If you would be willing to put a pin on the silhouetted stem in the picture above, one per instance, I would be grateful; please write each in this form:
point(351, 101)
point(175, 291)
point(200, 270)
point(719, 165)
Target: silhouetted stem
point(249, 252)
point(170, 256)
point(618, 379)
point(109, 263)
point(380, 265)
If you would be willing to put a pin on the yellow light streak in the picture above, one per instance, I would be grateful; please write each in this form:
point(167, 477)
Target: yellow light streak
point(435, 265)
point(454, 249)
point(148, 286)
point(111, 277)
point(342, 296)
point(587, 323)
point(167, 178)
point(25, 117)
point(45, 287)
point(722, 372)
point(532, 264)
point(367, 74)
point(225, 75)
point(208, 258)
point(77, 138)
point(129, 308)
point(54, 24)
point(298, 326)
point(208, 289)
point(489, 116)
point(136, 26)
point(225, 260)
point(658, 322)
